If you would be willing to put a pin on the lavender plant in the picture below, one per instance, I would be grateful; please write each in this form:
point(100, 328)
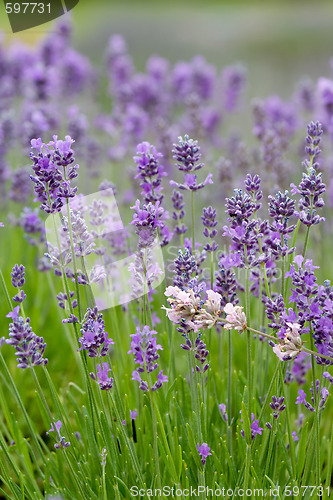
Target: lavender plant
point(67, 424)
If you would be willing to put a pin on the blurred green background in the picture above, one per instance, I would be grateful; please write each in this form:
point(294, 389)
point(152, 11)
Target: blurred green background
point(278, 41)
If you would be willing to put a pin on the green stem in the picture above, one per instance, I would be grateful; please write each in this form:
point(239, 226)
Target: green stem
point(193, 222)
point(74, 261)
point(6, 291)
point(316, 418)
point(194, 390)
point(211, 270)
point(41, 394)
point(306, 240)
point(272, 437)
point(290, 438)
point(249, 336)
point(156, 457)
point(247, 466)
point(128, 443)
point(229, 432)
point(25, 414)
point(104, 485)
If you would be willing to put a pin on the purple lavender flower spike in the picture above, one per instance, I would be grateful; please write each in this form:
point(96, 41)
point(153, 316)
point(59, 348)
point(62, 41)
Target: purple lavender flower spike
point(17, 276)
point(144, 348)
point(233, 81)
point(255, 429)
point(204, 452)
point(209, 222)
point(185, 268)
point(63, 299)
point(160, 380)
point(281, 207)
point(223, 410)
point(94, 339)
point(277, 406)
point(312, 149)
point(187, 153)
point(20, 190)
point(146, 220)
point(226, 282)
point(61, 441)
point(179, 212)
point(323, 397)
point(305, 94)
point(52, 188)
point(105, 382)
point(29, 347)
point(311, 185)
point(14, 314)
point(295, 437)
point(145, 351)
point(32, 226)
point(328, 376)
point(150, 172)
point(301, 399)
point(133, 414)
point(143, 384)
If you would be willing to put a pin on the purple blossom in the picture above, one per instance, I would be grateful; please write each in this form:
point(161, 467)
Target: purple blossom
point(63, 299)
point(179, 212)
point(133, 414)
point(277, 406)
point(187, 153)
point(305, 94)
point(32, 224)
point(204, 452)
point(209, 222)
point(200, 353)
point(223, 410)
point(160, 380)
point(61, 441)
point(311, 185)
point(325, 93)
point(312, 149)
point(295, 437)
point(94, 337)
point(233, 81)
point(144, 348)
point(226, 282)
point(301, 399)
point(281, 208)
point(17, 276)
point(14, 314)
point(255, 429)
point(185, 269)
point(137, 377)
point(301, 366)
point(105, 382)
point(150, 172)
point(328, 376)
point(29, 347)
point(53, 168)
point(146, 220)
point(240, 207)
point(20, 190)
